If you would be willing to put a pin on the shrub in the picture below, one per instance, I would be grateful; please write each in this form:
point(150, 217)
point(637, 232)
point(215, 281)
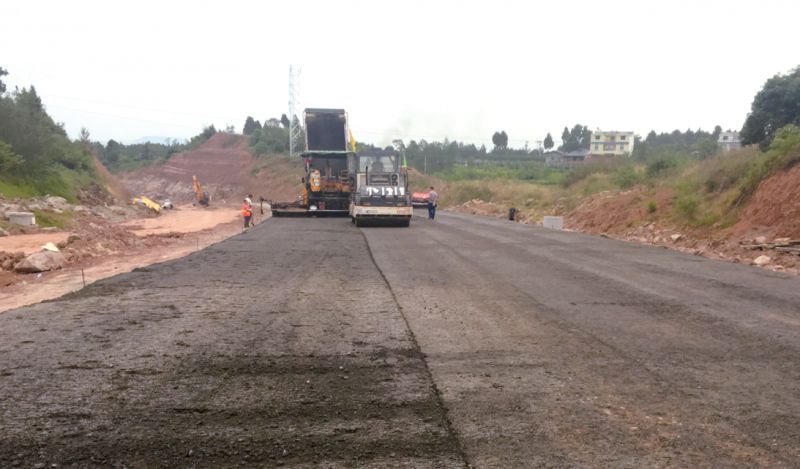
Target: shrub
point(466, 192)
point(784, 152)
point(661, 166)
point(625, 177)
point(651, 207)
point(687, 205)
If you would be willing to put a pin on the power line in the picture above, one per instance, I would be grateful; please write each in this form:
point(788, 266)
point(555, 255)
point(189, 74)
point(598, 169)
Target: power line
point(120, 117)
point(47, 96)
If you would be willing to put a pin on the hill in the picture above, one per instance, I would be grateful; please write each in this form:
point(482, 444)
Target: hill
point(227, 169)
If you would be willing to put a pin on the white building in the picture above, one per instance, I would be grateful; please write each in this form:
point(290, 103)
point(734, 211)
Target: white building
point(728, 141)
point(611, 143)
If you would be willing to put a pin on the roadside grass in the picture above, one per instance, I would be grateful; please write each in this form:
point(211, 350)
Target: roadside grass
point(60, 182)
point(532, 171)
point(14, 189)
point(701, 193)
point(47, 219)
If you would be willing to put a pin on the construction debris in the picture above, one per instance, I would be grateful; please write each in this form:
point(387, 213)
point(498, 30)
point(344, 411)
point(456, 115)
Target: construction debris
point(50, 247)
point(21, 218)
point(777, 243)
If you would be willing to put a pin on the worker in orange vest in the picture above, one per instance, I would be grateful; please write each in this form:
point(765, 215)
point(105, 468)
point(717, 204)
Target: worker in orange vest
point(247, 212)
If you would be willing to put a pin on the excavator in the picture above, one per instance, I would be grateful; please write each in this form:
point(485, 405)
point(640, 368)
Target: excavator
point(200, 196)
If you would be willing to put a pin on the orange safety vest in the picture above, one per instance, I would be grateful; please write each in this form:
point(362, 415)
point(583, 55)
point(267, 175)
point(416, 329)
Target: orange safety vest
point(246, 211)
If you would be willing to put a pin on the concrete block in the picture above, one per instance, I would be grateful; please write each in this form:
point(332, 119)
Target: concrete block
point(555, 223)
point(21, 218)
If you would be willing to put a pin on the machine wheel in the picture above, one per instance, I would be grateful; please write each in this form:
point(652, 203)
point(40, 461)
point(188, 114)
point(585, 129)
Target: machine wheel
point(359, 222)
point(353, 220)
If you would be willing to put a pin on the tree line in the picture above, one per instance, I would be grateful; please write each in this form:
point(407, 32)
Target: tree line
point(36, 155)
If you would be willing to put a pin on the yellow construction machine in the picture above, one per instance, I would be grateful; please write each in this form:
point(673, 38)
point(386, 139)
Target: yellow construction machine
point(200, 196)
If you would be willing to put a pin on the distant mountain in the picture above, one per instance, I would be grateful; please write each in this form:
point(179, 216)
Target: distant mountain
point(152, 139)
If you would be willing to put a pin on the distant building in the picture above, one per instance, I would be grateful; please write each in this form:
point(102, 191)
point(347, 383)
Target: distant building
point(728, 141)
point(560, 159)
point(611, 143)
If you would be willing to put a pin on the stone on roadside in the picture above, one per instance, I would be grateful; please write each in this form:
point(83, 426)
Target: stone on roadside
point(762, 260)
point(3, 232)
point(6, 278)
point(760, 240)
point(56, 202)
point(41, 262)
point(675, 237)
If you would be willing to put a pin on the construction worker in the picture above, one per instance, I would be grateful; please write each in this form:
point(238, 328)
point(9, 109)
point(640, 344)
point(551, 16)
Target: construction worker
point(433, 201)
point(247, 212)
point(249, 201)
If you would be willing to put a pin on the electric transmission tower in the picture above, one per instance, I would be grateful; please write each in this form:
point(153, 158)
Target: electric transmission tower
point(295, 129)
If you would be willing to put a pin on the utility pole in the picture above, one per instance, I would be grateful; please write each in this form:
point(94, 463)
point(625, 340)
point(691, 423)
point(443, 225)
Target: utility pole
point(539, 146)
point(425, 165)
point(295, 129)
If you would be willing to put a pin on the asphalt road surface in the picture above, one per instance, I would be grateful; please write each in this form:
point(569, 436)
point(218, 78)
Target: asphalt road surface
point(461, 342)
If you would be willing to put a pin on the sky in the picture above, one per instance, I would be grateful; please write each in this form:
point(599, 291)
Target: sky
point(402, 69)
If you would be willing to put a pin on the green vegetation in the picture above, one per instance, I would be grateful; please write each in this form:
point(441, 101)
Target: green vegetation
point(706, 190)
point(118, 157)
point(784, 152)
point(36, 156)
point(47, 219)
point(533, 171)
point(272, 138)
point(775, 106)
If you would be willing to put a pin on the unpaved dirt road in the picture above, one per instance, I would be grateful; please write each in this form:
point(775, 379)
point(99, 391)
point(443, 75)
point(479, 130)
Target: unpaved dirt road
point(30, 243)
point(465, 341)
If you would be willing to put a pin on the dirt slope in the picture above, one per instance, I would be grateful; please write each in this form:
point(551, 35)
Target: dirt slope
point(225, 167)
point(110, 182)
point(774, 210)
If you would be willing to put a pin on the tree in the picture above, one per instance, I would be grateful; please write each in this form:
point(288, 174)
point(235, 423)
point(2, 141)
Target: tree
point(496, 139)
point(84, 135)
point(716, 132)
point(3, 72)
point(9, 161)
point(586, 138)
point(548, 141)
point(499, 139)
point(776, 105)
point(285, 121)
point(249, 126)
point(564, 138)
point(580, 137)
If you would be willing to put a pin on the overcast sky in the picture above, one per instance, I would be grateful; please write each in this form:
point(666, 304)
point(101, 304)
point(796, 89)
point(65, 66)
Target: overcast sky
point(402, 69)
